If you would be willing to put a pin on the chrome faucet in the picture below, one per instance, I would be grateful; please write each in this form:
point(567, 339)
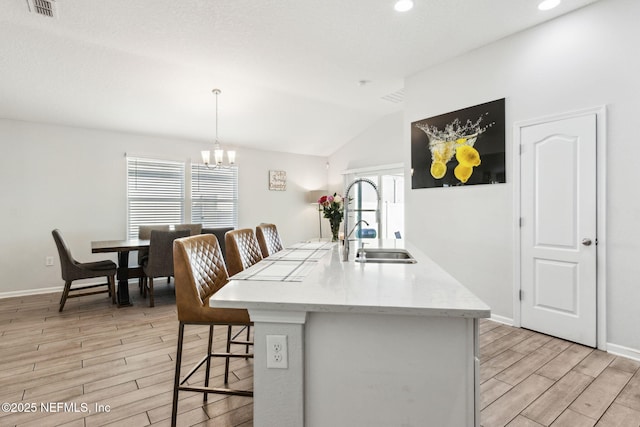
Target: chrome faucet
point(345, 252)
point(356, 226)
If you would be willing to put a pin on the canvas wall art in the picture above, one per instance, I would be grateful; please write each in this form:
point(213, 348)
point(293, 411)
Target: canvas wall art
point(463, 147)
point(278, 180)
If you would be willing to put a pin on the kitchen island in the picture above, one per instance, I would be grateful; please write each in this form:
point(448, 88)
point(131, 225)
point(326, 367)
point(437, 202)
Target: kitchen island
point(369, 344)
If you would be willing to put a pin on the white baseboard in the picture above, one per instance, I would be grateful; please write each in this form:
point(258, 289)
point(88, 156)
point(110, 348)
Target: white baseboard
point(501, 319)
point(12, 294)
point(54, 289)
point(619, 350)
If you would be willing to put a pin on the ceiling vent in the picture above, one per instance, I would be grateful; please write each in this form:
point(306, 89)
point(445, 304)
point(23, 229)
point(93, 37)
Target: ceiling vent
point(396, 97)
point(43, 7)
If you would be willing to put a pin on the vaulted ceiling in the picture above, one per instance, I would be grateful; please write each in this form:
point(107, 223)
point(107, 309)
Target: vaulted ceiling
point(302, 76)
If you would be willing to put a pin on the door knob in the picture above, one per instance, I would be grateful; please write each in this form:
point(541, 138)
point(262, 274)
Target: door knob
point(586, 242)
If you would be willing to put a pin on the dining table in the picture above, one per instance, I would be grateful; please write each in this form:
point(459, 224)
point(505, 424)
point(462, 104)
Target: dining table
point(124, 272)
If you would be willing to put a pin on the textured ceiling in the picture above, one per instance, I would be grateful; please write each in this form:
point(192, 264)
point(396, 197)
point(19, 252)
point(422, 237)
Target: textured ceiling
point(288, 69)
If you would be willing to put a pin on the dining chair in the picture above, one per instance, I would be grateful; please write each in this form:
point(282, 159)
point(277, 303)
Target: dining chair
point(268, 239)
point(144, 233)
point(219, 233)
point(200, 272)
point(73, 270)
point(160, 260)
point(193, 228)
point(243, 250)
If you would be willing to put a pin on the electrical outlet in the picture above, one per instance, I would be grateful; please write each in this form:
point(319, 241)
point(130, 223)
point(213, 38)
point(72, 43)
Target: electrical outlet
point(277, 352)
point(48, 261)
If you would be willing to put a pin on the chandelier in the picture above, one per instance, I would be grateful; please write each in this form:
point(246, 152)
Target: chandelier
point(218, 152)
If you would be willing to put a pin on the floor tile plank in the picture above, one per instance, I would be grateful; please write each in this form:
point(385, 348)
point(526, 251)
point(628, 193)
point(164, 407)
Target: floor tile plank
point(554, 401)
point(618, 415)
point(509, 406)
point(601, 393)
point(570, 418)
point(630, 395)
point(564, 362)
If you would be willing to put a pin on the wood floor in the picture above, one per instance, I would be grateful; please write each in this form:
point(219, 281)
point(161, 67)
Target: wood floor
point(122, 360)
point(530, 380)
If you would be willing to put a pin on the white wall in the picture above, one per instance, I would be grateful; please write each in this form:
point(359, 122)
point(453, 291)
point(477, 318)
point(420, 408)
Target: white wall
point(74, 179)
point(296, 220)
point(380, 144)
point(584, 59)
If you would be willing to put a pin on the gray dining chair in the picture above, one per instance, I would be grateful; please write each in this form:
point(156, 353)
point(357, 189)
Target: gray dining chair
point(193, 228)
point(160, 260)
point(73, 270)
point(144, 233)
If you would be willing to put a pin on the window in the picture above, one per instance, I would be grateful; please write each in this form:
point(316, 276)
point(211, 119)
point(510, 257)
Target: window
point(390, 182)
point(155, 193)
point(214, 196)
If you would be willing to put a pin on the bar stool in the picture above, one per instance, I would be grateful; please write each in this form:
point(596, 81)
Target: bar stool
point(199, 272)
point(242, 250)
point(268, 239)
point(219, 233)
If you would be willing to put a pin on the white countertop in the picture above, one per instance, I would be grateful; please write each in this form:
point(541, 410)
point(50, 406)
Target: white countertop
point(334, 286)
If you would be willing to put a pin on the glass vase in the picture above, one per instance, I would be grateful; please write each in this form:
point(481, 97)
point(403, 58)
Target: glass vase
point(335, 229)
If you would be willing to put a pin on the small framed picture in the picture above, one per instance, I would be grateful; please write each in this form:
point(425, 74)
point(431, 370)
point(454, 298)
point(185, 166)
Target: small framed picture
point(277, 180)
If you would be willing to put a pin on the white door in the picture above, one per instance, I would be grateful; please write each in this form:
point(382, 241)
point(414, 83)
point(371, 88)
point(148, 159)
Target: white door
point(558, 228)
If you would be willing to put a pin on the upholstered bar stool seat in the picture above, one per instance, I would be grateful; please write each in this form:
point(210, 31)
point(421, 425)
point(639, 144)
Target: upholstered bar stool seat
point(268, 239)
point(199, 272)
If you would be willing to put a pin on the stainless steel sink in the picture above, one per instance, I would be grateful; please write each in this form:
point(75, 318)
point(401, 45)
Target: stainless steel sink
point(385, 255)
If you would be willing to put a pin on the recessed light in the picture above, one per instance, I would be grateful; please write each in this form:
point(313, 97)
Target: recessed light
point(548, 4)
point(403, 5)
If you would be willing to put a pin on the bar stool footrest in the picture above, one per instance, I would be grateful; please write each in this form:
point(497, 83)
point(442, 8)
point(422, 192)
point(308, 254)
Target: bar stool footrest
point(248, 393)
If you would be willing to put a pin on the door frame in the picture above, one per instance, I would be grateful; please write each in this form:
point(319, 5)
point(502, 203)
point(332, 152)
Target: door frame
point(601, 211)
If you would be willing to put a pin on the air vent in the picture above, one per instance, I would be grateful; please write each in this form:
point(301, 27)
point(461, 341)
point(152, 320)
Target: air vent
point(43, 7)
point(396, 97)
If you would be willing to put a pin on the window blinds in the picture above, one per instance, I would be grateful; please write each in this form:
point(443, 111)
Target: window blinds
point(214, 196)
point(155, 193)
